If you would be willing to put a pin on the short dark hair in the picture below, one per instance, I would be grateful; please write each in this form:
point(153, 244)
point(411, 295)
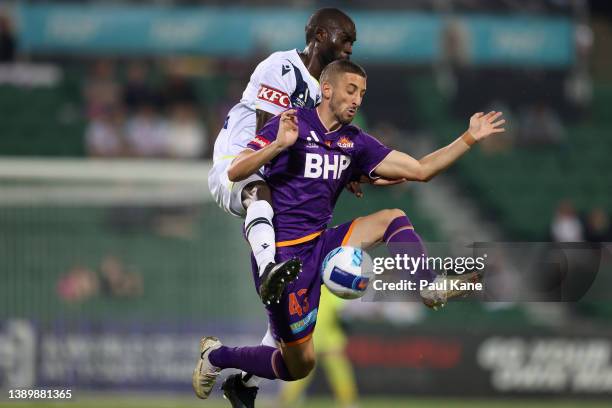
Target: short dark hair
point(325, 18)
point(341, 67)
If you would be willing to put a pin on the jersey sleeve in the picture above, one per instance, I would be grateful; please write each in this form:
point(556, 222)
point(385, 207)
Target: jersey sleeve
point(266, 135)
point(370, 154)
point(276, 84)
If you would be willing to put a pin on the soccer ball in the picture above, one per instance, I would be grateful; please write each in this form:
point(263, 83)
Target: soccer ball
point(346, 272)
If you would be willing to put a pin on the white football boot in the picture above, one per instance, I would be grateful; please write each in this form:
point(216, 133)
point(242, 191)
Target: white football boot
point(205, 374)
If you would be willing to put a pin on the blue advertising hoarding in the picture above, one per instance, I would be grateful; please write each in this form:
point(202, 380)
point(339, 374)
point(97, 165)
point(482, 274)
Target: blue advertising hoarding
point(383, 36)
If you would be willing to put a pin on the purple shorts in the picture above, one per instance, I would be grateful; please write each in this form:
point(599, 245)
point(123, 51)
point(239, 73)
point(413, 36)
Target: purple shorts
point(292, 321)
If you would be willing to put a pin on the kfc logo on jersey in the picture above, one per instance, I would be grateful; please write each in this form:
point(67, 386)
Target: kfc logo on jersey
point(345, 143)
point(260, 141)
point(269, 94)
point(325, 166)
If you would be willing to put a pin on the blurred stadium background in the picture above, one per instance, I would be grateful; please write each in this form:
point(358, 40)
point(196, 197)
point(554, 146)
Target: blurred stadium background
point(114, 259)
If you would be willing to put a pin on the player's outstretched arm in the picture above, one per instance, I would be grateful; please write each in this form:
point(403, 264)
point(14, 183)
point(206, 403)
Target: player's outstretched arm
point(401, 165)
point(249, 161)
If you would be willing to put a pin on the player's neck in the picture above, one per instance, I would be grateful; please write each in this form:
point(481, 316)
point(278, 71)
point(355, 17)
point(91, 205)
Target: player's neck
point(311, 61)
point(327, 118)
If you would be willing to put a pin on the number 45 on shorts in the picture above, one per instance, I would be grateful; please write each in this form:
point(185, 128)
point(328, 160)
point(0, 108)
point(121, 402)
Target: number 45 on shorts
point(298, 303)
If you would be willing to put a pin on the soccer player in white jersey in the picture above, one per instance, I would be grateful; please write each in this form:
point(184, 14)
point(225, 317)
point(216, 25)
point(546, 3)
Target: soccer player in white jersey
point(285, 79)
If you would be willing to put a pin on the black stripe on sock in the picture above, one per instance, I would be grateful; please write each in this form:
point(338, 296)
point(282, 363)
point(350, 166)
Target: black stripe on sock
point(260, 220)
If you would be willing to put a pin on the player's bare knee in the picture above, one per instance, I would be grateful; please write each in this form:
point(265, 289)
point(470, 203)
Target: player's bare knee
point(262, 192)
point(392, 214)
point(383, 219)
point(255, 191)
point(303, 368)
point(300, 359)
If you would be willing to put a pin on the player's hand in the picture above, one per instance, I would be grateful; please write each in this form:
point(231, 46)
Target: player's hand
point(482, 126)
point(287, 129)
point(355, 188)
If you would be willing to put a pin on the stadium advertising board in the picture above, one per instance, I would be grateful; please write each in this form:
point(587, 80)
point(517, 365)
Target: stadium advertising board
point(387, 360)
point(118, 357)
point(487, 363)
point(384, 37)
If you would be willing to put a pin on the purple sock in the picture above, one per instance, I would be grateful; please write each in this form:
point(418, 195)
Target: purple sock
point(262, 361)
point(414, 245)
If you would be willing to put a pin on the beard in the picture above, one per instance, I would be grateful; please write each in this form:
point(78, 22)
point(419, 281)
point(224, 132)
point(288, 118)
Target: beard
point(340, 117)
point(344, 120)
point(339, 57)
point(340, 114)
point(332, 55)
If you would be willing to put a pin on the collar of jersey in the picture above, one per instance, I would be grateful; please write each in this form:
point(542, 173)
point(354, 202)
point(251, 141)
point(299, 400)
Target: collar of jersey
point(327, 131)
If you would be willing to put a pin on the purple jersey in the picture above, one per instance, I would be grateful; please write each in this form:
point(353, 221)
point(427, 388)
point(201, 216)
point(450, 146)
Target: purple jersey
point(307, 179)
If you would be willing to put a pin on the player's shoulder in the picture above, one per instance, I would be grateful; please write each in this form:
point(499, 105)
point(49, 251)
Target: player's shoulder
point(360, 137)
point(307, 114)
point(279, 59)
point(353, 131)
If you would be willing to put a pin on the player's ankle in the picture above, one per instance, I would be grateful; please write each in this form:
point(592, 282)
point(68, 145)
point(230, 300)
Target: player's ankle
point(265, 265)
point(249, 380)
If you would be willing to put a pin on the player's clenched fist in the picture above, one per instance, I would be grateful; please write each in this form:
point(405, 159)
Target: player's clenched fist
point(482, 126)
point(287, 128)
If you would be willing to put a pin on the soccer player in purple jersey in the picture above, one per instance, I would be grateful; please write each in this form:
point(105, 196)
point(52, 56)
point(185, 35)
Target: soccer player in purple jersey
point(285, 79)
point(310, 155)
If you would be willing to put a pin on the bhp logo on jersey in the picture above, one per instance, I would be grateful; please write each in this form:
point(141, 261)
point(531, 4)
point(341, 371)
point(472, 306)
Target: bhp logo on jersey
point(325, 166)
point(279, 98)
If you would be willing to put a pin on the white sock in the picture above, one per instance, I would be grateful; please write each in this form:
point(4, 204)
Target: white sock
point(253, 380)
point(260, 233)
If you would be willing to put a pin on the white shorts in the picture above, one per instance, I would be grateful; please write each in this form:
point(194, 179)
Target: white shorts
point(227, 194)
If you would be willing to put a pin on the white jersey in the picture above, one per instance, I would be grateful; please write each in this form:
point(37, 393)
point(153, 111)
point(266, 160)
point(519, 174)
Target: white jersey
point(279, 82)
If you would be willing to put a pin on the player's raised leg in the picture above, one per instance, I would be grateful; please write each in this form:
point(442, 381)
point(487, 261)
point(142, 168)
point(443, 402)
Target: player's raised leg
point(258, 228)
point(393, 227)
point(259, 231)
